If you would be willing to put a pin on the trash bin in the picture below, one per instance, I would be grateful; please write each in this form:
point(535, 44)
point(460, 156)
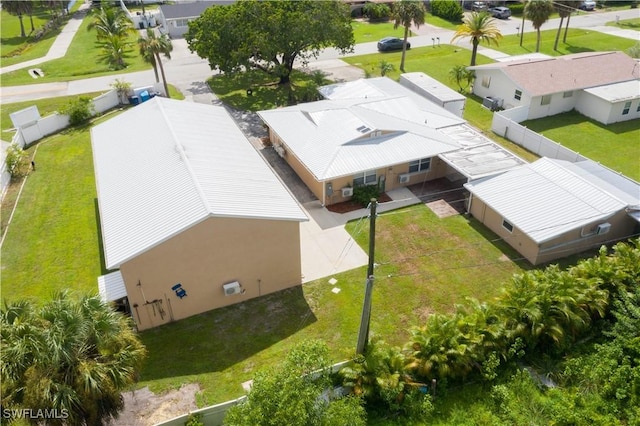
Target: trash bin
point(134, 100)
point(144, 96)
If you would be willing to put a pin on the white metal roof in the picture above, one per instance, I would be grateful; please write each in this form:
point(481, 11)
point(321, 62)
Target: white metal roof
point(617, 92)
point(544, 199)
point(433, 86)
point(167, 165)
point(337, 138)
point(324, 135)
point(111, 287)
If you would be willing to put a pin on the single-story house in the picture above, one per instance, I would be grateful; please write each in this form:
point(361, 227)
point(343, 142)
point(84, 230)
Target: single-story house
point(192, 217)
point(378, 132)
point(175, 18)
point(550, 209)
point(602, 85)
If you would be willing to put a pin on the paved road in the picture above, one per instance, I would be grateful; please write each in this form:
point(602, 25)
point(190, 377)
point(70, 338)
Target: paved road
point(188, 72)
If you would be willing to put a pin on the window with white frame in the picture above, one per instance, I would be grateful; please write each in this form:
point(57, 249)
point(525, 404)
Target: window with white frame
point(486, 81)
point(627, 107)
point(518, 94)
point(366, 178)
point(182, 22)
point(567, 94)
point(506, 225)
point(421, 165)
point(546, 100)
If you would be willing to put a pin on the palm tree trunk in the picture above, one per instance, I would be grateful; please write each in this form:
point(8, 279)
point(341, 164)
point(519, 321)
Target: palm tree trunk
point(555, 45)
point(474, 51)
point(164, 79)
point(404, 47)
point(31, 19)
point(22, 33)
point(566, 29)
point(155, 71)
point(522, 27)
point(538, 40)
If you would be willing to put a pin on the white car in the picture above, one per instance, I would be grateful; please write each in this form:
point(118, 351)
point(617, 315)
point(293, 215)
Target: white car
point(587, 5)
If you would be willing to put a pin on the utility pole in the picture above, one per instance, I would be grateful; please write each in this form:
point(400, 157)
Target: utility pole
point(363, 334)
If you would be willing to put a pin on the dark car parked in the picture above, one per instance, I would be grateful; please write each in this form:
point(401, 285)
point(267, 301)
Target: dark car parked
point(391, 43)
point(500, 12)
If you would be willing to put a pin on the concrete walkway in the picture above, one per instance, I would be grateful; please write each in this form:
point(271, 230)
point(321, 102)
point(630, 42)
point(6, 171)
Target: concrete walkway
point(61, 44)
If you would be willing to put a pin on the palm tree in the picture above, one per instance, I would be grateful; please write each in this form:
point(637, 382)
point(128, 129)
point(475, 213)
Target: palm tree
point(72, 355)
point(404, 13)
point(110, 21)
point(524, 2)
point(460, 74)
point(153, 46)
point(564, 10)
point(16, 8)
point(538, 12)
point(479, 27)
point(114, 51)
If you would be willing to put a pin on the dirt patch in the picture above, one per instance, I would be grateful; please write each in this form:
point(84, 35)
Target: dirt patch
point(349, 206)
point(144, 408)
point(442, 209)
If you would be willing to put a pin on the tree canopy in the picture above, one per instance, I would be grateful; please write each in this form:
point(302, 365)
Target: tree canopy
point(478, 27)
point(269, 36)
point(538, 12)
point(72, 356)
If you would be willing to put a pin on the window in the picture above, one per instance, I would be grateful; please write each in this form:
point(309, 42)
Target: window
point(421, 165)
point(366, 178)
point(638, 109)
point(518, 94)
point(182, 22)
point(627, 107)
point(486, 81)
point(567, 94)
point(546, 100)
point(506, 225)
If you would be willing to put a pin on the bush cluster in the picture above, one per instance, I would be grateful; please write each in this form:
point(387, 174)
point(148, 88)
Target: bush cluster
point(376, 11)
point(79, 110)
point(447, 9)
point(363, 194)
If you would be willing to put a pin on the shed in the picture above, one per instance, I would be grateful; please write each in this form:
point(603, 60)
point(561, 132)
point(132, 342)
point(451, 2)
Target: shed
point(435, 91)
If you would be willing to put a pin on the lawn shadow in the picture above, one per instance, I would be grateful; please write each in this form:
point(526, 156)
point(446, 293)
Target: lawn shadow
point(574, 117)
point(216, 340)
point(499, 243)
point(103, 265)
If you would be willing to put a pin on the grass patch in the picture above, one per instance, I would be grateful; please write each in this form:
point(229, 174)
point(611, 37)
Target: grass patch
point(441, 23)
point(578, 40)
point(614, 145)
point(365, 32)
point(73, 66)
point(626, 24)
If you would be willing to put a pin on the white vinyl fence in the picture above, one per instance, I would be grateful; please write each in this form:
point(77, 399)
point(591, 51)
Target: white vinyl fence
point(506, 124)
point(36, 130)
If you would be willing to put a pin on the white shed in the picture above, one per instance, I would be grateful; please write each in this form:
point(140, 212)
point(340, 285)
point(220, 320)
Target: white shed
point(435, 91)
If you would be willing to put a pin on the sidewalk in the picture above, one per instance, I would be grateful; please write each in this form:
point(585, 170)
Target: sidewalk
point(61, 44)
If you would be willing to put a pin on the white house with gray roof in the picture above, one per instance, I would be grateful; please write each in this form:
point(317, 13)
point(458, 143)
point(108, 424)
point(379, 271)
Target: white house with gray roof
point(551, 209)
point(192, 217)
point(175, 18)
point(602, 85)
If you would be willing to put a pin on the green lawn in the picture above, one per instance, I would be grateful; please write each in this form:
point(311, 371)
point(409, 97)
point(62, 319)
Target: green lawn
point(364, 31)
point(626, 24)
point(74, 67)
point(578, 40)
point(617, 145)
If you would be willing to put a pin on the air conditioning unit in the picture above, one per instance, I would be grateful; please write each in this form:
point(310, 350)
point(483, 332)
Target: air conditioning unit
point(232, 288)
point(347, 191)
point(405, 178)
point(603, 228)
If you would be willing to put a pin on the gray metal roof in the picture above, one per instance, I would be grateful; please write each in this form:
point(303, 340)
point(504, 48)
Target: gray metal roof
point(193, 9)
point(617, 92)
point(546, 199)
point(111, 287)
point(166, 165)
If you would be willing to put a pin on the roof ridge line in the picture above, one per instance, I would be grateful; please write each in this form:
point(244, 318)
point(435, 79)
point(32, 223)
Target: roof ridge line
point(185, 159)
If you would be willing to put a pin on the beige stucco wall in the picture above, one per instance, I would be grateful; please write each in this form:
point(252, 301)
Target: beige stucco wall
point(572, 242)
point(263, 255)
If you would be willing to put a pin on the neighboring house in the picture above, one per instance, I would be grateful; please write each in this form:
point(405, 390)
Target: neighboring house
point(378, 132)
point(551, 209)
point(604, 86)
point(175, 18)
point(192, 217)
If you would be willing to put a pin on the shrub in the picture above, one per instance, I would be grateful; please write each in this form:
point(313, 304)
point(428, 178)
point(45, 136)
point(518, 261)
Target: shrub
point(79, 110)
point(517, 8)
point(364, 193)
point(376, 11)
point(17, 161)
point(447, 9)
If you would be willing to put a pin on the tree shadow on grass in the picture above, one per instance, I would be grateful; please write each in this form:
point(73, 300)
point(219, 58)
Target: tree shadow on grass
point(215, 340)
